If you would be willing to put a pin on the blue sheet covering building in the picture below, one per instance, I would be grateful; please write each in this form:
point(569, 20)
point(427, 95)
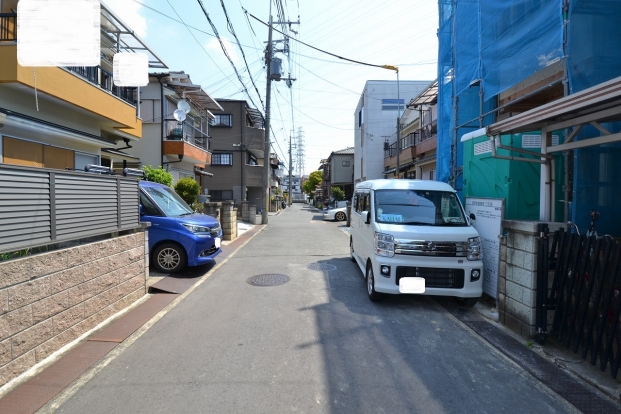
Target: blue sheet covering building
point(500, 58)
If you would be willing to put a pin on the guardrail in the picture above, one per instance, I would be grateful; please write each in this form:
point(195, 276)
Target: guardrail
point(8, 27)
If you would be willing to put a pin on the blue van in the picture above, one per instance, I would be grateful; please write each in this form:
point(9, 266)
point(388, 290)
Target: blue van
point(178, 237)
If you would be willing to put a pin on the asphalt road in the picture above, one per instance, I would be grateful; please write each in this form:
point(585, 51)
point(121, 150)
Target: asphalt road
point(315, 344)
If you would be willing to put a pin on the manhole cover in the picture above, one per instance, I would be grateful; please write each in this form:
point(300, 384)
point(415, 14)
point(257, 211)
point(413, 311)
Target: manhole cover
point(270, 279)
point(321, 267)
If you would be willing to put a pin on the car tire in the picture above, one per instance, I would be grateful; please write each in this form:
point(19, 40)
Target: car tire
point(169, 258)
point(351, 250)
point(466, 302)
point(370, 279)
point(340, 216)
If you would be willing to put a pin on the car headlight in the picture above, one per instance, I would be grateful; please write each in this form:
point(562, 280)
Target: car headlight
point(384, 244)
point(196, 229)
point(474, 249)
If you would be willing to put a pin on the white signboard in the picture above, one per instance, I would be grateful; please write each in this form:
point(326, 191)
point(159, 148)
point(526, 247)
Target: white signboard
point(486, 215)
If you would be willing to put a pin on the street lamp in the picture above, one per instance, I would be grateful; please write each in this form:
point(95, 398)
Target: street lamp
point(396, 69)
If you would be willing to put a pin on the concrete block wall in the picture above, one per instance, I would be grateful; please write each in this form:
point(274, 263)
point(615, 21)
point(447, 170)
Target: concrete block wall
point(517, 280)
point(229, 221)
point(249, 212)
point(50, 299)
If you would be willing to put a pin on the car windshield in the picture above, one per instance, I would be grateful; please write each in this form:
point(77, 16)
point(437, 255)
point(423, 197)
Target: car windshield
point(430, 208)
point(168, 201)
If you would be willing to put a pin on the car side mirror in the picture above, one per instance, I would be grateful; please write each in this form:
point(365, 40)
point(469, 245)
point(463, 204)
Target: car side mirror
point(141, 210)
point(366, 217)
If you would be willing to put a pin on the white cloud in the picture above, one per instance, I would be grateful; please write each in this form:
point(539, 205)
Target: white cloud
point(213, 44)
point(129, 12)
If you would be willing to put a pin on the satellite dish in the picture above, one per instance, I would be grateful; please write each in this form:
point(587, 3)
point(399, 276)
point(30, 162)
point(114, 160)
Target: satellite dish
point(179, 115)
point(184, 105)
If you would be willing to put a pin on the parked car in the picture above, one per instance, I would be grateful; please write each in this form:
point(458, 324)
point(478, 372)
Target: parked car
point(338, 214)
point(412, 236)
point(178, 237)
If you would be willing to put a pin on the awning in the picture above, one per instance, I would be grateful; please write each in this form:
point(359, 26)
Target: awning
point(601, 103)
point(201, 172)
point(122, 38)
point(120, 154)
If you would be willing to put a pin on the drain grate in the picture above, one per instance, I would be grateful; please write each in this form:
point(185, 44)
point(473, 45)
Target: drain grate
point(269, 279)
point(321, 267)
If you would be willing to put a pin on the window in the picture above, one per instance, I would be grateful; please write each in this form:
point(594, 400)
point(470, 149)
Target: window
point(224, 120)
point(222, 159)
point(361, 117)
point(345, 163)
point(392, 104)
point(221, 195)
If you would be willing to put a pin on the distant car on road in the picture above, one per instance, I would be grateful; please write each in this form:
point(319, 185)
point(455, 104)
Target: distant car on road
point(338, 214)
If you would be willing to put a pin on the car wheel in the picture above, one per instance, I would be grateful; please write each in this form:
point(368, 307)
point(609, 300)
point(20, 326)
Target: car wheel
point(169, 258)
point(340, 216)
point(466, 302)
point(373, 295)
point(351, 250)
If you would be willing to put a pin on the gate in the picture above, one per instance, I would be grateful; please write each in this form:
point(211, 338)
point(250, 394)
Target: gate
point(585, 295)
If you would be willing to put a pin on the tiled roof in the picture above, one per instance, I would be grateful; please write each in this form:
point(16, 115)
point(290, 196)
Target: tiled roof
point(346, 151)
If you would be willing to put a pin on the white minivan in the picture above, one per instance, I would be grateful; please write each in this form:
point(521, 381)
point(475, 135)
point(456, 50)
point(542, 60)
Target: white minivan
point(412, 236)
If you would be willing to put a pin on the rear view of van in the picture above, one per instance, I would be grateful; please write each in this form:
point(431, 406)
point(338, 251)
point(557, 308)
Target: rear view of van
point(413, 237)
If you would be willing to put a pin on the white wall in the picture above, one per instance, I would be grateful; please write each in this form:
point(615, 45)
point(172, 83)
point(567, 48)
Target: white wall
point(379, 124)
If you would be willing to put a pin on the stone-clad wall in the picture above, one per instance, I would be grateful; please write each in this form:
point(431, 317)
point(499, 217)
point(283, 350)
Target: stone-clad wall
point(48, 300)
point(517, 282)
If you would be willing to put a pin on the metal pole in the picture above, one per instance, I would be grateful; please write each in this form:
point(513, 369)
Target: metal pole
point(398, 127)
point(290, 190)
point(266, 155)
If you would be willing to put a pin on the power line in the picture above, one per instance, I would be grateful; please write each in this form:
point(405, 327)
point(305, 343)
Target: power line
point(226, 53)
point(316, 48)
point(232, 31)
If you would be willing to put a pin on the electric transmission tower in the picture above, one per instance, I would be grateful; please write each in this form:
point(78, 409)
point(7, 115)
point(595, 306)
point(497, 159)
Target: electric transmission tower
point(299, 157)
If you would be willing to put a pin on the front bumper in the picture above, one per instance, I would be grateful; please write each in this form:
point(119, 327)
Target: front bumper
point(470, 289)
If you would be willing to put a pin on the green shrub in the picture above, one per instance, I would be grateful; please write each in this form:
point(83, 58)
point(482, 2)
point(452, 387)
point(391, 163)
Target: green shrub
point(188, 189)
point(338, 194)
point(158, 175)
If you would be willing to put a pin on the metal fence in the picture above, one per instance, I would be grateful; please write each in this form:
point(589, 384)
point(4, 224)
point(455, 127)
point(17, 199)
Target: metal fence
point(104, 79)
point(585, 295)
point(43, 206)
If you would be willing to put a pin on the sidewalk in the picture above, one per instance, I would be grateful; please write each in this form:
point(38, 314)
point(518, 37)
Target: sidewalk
point(32, 390)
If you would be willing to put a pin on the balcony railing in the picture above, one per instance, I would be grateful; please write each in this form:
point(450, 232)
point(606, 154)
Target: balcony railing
point(175, 130)
point(8, 27)
point(104, 79)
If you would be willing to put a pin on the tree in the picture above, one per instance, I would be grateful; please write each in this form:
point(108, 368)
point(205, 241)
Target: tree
point(338, 194)
point(314, 179)
point(188, 189)
point(158, 175)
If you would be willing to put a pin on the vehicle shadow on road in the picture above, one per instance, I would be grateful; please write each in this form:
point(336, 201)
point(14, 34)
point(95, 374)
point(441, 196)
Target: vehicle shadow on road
point(187, 273)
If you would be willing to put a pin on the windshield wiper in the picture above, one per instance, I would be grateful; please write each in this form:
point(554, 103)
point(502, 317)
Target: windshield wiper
point(417, 222)
point(185, 214)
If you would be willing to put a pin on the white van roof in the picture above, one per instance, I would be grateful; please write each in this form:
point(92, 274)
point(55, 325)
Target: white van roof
point(404, 184)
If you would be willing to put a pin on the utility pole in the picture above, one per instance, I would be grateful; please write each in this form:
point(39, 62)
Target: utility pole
point(290, 167)
point(266, 155)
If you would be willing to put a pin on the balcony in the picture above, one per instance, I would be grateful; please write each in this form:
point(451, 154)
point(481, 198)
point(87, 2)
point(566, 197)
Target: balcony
point(174, 130)
point(8, 27)
point(184, 139)
point(104, 79)
point(253, 175)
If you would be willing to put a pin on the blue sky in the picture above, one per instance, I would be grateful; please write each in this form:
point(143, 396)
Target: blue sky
point(323, 99)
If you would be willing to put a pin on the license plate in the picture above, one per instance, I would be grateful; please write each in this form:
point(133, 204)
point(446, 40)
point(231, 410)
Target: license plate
point(218, 242)
point(412, 285)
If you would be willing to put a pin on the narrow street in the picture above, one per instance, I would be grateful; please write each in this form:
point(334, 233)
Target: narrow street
point(314, 344)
